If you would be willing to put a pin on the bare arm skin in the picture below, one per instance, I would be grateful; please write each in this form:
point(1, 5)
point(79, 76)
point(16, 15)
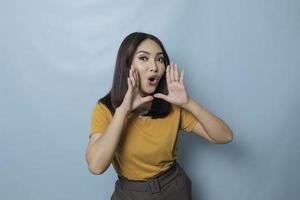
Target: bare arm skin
point(101, 147)
point(209, 126)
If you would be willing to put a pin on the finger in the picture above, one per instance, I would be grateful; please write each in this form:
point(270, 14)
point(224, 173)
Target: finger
point(172, 73)
point(137, 79)
point(181, 77)
point(147, 99)
point(161, 96)
point(131, 78)
point(129, 84)
point(168, 74)
point(176, 77)
point(134, 75)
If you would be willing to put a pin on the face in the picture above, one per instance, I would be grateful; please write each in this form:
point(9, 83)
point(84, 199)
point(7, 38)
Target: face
point(148, 60)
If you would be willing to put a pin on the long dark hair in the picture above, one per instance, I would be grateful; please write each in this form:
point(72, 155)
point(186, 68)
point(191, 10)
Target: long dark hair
point(114, 98)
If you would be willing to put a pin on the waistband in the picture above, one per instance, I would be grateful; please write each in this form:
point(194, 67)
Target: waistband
point(153, 184)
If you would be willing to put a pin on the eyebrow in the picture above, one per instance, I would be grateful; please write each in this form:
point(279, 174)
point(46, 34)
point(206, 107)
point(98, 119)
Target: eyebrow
point(146, 52)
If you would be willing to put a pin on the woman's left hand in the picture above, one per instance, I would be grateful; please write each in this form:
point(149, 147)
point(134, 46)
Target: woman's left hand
point(177, 92)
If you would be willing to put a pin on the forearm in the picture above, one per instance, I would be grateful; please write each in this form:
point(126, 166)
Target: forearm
point(102, 150)
point(215, 127)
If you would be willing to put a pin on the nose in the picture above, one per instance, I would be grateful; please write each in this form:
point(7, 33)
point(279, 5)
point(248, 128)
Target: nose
point(153, 67)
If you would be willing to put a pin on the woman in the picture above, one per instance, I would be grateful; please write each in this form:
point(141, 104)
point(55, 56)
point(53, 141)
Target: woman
point(135, 125)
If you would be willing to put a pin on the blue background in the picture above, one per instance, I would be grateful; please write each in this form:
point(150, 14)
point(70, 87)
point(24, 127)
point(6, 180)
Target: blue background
point(241, 62)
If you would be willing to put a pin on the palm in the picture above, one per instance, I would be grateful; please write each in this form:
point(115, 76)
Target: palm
point(176, 90)
point(133, 98)
point(177, 93)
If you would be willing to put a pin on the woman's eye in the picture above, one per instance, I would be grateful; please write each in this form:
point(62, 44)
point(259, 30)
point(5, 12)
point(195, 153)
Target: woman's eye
point(144, 58)
point(161, 59)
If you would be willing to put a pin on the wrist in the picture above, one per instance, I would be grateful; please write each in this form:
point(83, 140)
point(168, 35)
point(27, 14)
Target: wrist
point(186, 105)
point(120, 111)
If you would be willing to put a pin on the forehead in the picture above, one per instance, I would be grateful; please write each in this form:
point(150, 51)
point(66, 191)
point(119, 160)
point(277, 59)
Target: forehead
point(150, 46)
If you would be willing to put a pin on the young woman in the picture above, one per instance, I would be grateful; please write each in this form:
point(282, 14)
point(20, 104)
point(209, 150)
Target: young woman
point(135, 125)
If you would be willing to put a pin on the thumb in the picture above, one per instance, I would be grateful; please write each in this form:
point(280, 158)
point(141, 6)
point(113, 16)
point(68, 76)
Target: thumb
point(161, 96)
point(147, 98)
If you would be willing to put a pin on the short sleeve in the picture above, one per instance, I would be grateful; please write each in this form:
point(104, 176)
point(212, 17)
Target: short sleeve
point(187, 120)
point(101, 118)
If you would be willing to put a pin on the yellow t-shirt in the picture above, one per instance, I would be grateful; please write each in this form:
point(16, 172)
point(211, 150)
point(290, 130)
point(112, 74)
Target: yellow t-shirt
point(147, 146)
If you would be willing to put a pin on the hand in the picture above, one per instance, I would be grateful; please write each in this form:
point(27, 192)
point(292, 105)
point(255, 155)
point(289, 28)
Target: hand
point(177, 92)
point(133, 98)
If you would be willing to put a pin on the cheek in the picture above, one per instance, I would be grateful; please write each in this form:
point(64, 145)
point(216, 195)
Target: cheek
point(162, 68)
point(141, 75)
point(142, 66)
point(141, 70)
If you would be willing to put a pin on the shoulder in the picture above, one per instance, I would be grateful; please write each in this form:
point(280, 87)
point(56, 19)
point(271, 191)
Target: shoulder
point(178, 111)
point(175, 109)
point(101, 108)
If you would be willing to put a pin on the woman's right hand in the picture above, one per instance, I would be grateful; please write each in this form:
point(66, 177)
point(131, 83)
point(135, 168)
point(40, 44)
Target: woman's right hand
point(133, 98)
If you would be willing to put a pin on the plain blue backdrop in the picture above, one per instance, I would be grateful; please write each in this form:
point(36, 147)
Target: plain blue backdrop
point(241, 62)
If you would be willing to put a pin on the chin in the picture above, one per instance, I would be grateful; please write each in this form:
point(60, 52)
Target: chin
point(149, 92)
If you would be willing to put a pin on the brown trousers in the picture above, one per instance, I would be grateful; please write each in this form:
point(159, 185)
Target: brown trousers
point(172, 184)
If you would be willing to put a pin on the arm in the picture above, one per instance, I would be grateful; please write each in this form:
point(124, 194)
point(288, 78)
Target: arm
point(101, 148)
point(100, 151)
point(208, 126)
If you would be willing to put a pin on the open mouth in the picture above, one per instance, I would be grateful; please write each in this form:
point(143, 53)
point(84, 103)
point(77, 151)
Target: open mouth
point(152, 81)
